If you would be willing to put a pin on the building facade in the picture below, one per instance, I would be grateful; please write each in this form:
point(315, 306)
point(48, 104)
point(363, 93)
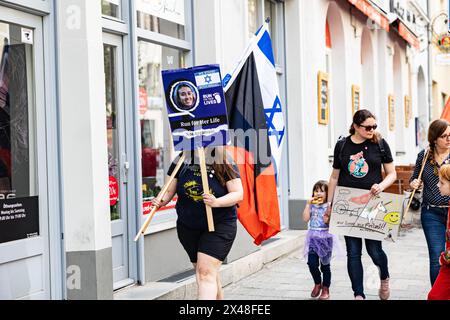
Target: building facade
point(372, 57)
point(440, 68)
point(88, 140)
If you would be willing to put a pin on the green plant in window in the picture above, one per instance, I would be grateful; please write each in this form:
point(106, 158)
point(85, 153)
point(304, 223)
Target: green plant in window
point(156, 190)
point(114, 210)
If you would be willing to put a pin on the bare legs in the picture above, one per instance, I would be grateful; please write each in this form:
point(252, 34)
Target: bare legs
point(208, 278)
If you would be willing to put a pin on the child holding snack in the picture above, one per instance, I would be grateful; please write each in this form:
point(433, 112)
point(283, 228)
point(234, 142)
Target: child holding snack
point(319, 243)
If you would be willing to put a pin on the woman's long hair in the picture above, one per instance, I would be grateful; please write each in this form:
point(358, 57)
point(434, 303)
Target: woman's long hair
point(217, 158)
point(435, 130)
point(359, 117)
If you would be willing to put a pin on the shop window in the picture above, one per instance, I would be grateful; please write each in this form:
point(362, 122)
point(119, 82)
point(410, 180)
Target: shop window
point(111, 122)
point(18, 141)
point(18, 167)
point(270, 11)
point(157, 146)
point(111, 8)
point(165, 17)
point(258, 12)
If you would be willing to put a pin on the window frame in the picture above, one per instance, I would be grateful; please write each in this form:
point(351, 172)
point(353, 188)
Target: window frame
point(167, 220)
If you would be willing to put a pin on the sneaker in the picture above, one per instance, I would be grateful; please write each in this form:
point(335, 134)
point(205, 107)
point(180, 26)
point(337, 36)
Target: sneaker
point(316, 291)
point(359, 298)
point(384, 291)
point(325, 295)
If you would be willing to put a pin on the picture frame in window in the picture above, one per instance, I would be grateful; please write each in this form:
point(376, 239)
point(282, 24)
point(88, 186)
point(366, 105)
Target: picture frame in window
point(356, 98)
point(391, 112)
point(323, 95)
point(408, 111)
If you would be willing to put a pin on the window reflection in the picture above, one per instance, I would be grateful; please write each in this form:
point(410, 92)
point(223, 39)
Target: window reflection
point(155, 134)
point(111, 125)
point(270, 11)
point(18, 169)
point(252, 17)
point(111, 8)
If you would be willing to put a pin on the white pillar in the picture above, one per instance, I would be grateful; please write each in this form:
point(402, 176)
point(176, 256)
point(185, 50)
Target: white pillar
point(84, 149)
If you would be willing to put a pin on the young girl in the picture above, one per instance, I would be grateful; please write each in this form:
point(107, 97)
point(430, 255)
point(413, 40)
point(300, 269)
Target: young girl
point(441, 287)
point(319, 243)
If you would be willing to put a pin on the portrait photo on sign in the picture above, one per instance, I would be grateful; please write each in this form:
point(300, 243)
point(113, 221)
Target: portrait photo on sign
point(184, 96)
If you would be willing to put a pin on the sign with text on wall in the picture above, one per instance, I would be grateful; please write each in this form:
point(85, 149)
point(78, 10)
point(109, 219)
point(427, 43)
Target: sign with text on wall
point(19, 219)
point(196, 107)
point(357, 213)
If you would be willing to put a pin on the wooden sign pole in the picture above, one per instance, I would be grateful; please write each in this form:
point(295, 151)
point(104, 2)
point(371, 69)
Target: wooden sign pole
point(424, 161)
point(160, 197)
point(205, 183)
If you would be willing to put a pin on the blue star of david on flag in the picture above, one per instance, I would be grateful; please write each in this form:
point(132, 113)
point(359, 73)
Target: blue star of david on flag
point(271, 126)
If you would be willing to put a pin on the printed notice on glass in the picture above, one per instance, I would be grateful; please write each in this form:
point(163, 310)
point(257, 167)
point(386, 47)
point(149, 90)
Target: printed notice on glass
point(19, 219)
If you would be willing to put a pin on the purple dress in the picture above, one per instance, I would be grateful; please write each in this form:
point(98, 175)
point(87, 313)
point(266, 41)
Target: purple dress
point(318, 239)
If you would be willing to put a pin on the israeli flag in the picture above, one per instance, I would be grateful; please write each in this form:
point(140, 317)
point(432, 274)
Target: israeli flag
point(207, 79)
point(261, 48)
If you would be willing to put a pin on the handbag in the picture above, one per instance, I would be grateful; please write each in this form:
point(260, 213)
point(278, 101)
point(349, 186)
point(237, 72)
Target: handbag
point(416, 201)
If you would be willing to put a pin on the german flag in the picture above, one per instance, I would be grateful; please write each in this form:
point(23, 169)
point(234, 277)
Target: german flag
point(446, 112)
point(256, 131)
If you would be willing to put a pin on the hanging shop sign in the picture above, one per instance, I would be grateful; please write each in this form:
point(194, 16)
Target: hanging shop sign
point(440, 33)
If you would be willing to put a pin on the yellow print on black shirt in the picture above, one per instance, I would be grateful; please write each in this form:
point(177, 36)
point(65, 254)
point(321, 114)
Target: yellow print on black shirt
point(194, 190)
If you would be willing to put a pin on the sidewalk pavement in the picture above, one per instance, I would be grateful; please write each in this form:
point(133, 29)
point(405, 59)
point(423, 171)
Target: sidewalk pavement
point(278, 271)
point(289, 277)
point(184, 287)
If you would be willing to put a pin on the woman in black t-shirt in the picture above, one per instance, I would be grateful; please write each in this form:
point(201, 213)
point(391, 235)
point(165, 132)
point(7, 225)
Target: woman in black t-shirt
point(357, 164)
point(206, 250)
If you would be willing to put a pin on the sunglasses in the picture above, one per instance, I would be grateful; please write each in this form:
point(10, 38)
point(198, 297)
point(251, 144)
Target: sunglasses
point(368, 128)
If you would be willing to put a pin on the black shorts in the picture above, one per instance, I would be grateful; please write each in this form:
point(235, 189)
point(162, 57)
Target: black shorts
point(216, 244)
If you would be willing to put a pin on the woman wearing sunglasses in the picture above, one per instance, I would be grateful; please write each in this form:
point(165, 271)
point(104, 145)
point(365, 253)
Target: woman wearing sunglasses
point(357, 164)
point(434, 205)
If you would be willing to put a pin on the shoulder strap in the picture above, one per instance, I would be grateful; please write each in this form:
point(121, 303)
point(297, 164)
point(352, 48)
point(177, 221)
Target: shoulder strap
point(342, 140)
point(383, 152)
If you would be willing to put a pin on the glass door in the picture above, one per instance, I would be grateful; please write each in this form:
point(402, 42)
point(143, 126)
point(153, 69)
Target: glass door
point(118, 164)
point(24, 216)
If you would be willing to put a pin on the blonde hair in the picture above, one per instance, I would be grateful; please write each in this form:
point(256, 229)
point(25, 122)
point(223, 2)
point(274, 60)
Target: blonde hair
point(444, 172)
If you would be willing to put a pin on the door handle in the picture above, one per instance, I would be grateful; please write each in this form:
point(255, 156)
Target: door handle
point(126, 166)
